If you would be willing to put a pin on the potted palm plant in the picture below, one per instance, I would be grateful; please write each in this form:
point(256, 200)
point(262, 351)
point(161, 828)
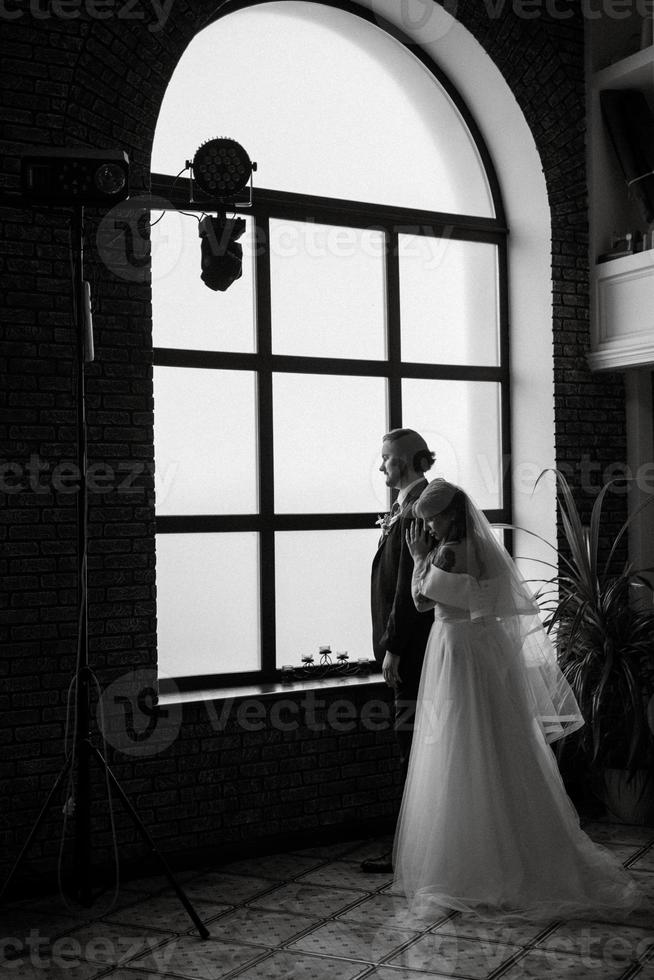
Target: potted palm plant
point(604, 638)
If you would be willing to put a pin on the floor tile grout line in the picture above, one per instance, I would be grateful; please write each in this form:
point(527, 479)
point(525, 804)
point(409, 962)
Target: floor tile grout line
point(291, 938)
point(134, 959)
point(627, 973)
point(367, 966)
point(503, 968)
point(641, 958)
point(248, 943)
point(538, 937)
point(510, 961)
point(239, 970)
point(633, 970)
point(333, 956)
point(385, 960)
point(333, 918)
point(638, 855)
point(159, 975)
point(336, 917)
point(367, 972)
point(178, 932)
point(341, 916)
point(363, 895)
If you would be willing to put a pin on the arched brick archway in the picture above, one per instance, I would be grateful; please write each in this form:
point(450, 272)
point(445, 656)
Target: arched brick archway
point(121, 71)
point(119, 78)
point(100, 83)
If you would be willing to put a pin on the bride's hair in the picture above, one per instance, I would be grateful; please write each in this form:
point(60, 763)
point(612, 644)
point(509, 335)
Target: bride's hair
point(441, 497)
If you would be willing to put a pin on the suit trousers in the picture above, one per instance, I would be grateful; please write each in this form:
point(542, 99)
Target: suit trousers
point(405, 697)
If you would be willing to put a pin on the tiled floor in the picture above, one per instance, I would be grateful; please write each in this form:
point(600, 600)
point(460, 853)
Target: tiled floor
point(313, 914)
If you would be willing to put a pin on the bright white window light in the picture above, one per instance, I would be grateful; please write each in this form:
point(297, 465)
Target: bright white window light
point(327, 104)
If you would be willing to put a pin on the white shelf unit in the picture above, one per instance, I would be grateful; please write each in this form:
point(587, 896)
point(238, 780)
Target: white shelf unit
point(634, 71)
point(623, 326)
point(622, 289)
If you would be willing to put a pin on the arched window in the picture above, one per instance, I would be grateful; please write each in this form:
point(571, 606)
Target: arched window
point(373, 295)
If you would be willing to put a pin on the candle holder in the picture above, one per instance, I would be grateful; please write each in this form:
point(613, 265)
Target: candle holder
point(325, 654)
point(326, 666)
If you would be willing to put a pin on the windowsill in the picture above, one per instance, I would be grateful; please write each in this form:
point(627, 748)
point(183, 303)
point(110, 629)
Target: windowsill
point(269, 690)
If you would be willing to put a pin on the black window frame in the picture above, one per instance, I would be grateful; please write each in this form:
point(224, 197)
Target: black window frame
point(265, 206)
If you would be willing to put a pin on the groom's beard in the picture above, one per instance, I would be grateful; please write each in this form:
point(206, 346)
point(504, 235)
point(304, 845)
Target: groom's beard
point(392, 482)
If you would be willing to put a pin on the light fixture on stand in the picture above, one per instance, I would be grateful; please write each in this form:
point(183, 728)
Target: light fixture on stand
point(222, 254)
point(220, 172)
point(78, 177)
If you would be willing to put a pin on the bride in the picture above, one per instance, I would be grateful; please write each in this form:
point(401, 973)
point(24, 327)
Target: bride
point(485, 823)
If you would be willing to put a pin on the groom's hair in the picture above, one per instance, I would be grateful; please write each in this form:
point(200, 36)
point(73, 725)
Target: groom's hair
point(413, 448)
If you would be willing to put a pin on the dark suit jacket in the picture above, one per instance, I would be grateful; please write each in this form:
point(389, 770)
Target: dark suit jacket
point(396, 623)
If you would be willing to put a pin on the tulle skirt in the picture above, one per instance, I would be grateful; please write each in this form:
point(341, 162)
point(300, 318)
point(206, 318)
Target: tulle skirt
point(485, 824)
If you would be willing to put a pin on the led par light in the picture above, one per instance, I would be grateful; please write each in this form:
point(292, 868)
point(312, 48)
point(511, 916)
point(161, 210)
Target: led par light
point(221, 169)
point(75, 176)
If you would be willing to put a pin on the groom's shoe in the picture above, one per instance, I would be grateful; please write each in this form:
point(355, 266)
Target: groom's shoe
point(379, 865)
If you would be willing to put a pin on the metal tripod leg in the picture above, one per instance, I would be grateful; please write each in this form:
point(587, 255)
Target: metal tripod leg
point(202, 929)
point(39, 820)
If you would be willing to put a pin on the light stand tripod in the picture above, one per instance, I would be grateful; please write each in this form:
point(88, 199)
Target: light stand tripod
point(83, 749)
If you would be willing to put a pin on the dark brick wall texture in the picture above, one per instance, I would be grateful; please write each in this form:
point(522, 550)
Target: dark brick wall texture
point(71, 78)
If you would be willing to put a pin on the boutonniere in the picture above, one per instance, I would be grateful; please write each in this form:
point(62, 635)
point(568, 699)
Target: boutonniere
point(386, 521)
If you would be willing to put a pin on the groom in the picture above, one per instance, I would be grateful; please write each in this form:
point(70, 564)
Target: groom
point(399, 631)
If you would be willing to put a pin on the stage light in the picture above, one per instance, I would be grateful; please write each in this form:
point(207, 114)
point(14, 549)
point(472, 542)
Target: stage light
point(222, 255)
point(110, 178)
point(221, 169)
point(75, 176)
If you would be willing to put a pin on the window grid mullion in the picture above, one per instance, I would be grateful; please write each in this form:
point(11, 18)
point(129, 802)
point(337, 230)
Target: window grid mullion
point(506, 489)
point(303, 364)
point(393, 331)
point(264, 363)
point(265, 448)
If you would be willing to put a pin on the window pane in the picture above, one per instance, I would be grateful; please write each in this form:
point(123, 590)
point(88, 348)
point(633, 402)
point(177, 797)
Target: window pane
point(461, 422)
point(207, 603)
point(323, 592)
point(205, 441)
point(327, 437)
point(360, 117)
point(327, 290)
point(449, 298)
point(185, 312)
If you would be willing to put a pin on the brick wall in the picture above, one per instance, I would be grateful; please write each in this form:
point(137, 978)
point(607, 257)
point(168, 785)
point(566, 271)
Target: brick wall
point(98, 82)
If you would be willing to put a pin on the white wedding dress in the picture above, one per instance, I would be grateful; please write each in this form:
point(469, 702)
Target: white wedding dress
point(485, 824)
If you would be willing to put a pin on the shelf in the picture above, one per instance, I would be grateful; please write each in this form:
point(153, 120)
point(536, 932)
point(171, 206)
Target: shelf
point(622, 289)
point(634, 71)
point(623, 328)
